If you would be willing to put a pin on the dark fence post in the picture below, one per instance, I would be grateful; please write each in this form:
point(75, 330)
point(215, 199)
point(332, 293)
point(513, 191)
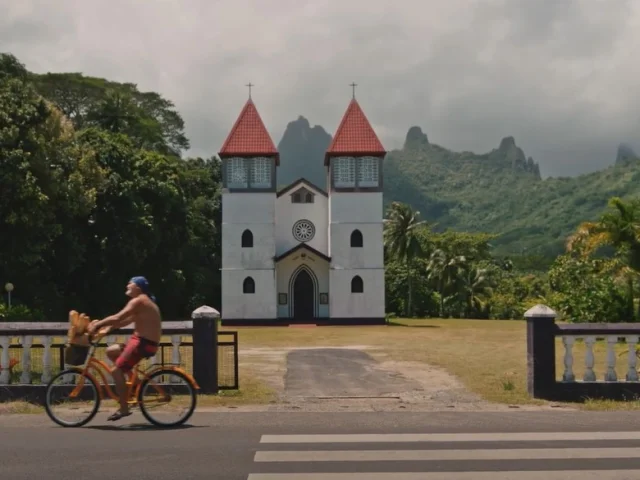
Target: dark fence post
point(205, 348)
point(541, 350)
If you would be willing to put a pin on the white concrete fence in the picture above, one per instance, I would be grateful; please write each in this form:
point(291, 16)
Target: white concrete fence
point(39, 349)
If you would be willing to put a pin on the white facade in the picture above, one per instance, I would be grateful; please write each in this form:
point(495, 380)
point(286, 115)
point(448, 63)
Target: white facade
point(254, 213)
point(288, 213)
point(302, 254)
point(302, 261)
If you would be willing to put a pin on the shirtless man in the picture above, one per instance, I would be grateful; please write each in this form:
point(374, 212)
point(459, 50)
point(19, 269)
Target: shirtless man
point(143, 311)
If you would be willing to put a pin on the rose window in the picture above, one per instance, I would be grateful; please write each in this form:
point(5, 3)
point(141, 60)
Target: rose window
point(303, 230)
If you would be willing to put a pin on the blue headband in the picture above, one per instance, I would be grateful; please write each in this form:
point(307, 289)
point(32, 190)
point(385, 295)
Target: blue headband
point(142, 283)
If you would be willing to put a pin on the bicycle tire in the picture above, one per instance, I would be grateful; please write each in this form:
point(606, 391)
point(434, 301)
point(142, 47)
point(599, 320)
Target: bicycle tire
point(146, 413)
point(47, 403)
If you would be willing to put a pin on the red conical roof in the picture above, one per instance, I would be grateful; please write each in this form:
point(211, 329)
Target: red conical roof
point(249, 136)
point(354, 136)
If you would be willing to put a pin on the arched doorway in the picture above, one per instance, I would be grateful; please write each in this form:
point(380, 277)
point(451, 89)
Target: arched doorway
point(303, 295)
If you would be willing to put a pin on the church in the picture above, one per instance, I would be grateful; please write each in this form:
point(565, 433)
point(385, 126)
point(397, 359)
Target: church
point(300, 254)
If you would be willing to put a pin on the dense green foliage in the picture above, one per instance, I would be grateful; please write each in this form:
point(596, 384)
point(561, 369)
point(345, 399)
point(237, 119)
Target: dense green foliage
point(94, 190)
point(501, 192)
point(452, 274)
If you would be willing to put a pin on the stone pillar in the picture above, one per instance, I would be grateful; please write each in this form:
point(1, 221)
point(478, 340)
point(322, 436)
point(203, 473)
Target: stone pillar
point(205, 348)
point(541, 350)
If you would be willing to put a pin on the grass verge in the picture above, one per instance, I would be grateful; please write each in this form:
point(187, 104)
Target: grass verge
point(487, 356)
point(19, 408)
point(251, 392)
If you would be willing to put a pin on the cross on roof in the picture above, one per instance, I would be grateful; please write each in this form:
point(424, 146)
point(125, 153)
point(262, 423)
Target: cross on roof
point(353, 86)
point(249, 85)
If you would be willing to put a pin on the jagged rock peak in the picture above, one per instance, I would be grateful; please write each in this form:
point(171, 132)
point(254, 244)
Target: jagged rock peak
point(512, 155)
point(415, 138)
point(625, 153)
point(300, 121)
point(507, 143)
point(300, 130)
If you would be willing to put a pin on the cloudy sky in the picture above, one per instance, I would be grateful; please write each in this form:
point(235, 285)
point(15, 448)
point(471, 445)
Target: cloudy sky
point(561, 76)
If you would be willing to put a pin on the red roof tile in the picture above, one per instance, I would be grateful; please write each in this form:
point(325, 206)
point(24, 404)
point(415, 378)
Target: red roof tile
point(249, 136)
point(354, 136)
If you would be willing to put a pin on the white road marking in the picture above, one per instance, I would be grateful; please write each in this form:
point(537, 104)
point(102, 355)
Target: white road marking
point(434, 455)
point(513, 475)
point(449, 437)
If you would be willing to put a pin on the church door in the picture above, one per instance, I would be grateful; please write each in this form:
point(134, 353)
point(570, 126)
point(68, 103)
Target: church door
point(303, 297)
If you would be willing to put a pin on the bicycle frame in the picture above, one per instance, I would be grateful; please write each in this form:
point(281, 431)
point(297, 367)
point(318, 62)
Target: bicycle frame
point(133, 385)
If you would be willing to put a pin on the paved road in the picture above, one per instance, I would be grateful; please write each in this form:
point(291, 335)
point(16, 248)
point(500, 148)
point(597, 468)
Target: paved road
point(331, 446)
point(340, 372)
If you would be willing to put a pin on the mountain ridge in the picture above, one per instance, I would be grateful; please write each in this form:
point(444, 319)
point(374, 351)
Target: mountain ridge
point(500, 191)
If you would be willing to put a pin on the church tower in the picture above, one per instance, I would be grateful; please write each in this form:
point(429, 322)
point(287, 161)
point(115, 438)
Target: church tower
point(249, 159)
point(354, 168)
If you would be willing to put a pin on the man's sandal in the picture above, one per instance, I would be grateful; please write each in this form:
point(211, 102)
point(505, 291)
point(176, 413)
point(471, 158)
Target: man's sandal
point(118, 415)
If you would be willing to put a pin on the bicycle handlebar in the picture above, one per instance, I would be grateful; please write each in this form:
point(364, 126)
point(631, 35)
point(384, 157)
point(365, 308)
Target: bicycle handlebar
point(99, 335)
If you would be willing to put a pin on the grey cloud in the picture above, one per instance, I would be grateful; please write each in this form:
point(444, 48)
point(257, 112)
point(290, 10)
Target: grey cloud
point(557, 75)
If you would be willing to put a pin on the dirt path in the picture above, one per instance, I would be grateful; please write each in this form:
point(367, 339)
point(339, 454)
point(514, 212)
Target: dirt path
point(358, 378)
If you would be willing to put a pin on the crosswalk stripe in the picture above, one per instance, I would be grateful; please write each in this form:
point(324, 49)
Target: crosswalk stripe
point(430, 455)
point(513, 475)
point(449, 437)
point(628, 456)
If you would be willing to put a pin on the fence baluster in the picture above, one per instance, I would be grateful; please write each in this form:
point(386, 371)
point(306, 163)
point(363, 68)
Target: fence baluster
point(27, 341)
point(611, 375)
point(568, 375)
point(46, 359)
point(5, 362)
point(589, 374)
point(632, 371)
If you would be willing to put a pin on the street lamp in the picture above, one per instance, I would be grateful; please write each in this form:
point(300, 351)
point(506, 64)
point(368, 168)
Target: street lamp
point(9, 288)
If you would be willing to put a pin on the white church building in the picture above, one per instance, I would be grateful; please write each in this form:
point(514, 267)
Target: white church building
point(301, 254)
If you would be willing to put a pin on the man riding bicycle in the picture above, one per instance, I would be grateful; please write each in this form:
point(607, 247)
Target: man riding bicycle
point(143, 311)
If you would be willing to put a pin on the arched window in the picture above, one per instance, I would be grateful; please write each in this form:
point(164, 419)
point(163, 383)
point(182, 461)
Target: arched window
point(249, 286)
point(357, 286)
point(247, 239)
point(356, 238)
point(302, 195)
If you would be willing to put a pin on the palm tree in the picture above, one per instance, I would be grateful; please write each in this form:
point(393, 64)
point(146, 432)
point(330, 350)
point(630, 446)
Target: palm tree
point(444, 268)
point(402, 241)
point(620, 229)
point(476, 285)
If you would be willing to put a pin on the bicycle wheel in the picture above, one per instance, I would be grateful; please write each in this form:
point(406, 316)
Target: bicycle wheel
point(166, 393)
point(83, 398)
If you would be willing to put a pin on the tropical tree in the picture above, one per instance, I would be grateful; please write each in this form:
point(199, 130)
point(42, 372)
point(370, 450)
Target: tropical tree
point(475, 287)
point(401, 235)
point(444, 267)
point(49, 186)
point(618, 228)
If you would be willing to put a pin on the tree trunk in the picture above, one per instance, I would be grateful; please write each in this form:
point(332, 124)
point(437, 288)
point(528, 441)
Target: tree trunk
point(409, 307)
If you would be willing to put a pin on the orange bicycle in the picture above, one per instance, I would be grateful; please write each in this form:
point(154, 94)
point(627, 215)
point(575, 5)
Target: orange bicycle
point(80, 385)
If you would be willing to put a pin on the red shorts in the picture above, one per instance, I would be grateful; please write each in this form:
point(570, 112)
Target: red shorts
point(135, 350)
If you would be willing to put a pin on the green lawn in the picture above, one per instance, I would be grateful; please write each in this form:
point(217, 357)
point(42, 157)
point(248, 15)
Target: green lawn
point(488, 356)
